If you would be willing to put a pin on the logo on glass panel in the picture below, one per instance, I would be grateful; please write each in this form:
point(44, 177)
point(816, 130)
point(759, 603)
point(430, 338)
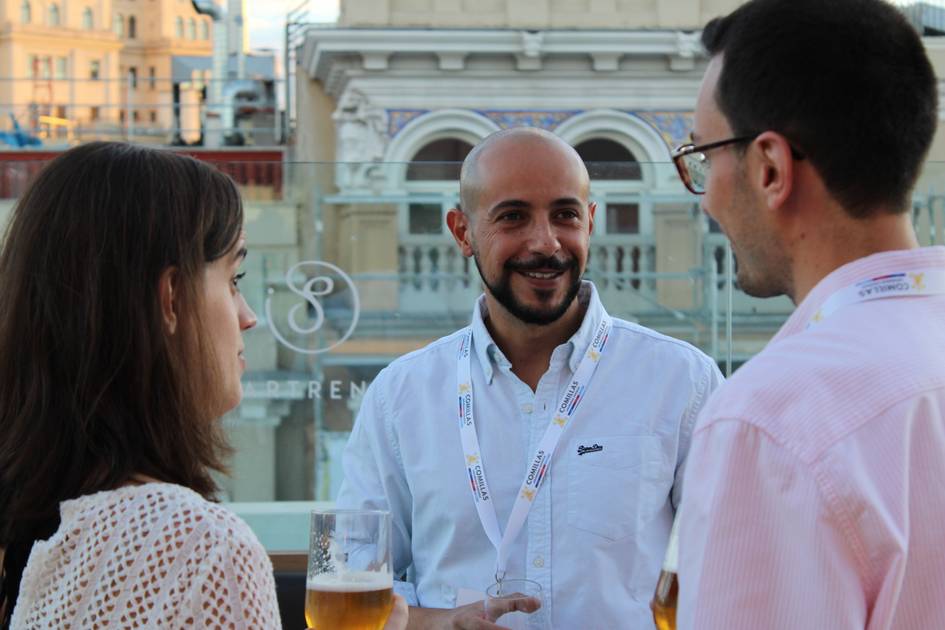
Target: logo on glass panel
point(325, 286)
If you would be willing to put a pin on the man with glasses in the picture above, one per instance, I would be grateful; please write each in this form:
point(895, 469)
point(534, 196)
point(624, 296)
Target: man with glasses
point(815, 487)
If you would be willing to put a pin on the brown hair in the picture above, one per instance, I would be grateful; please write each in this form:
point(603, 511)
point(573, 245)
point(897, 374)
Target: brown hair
point(92, 388)
point(848, 82)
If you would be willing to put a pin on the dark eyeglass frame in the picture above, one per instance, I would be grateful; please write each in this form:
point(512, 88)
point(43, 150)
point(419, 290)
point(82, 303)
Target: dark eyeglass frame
point(682, 151)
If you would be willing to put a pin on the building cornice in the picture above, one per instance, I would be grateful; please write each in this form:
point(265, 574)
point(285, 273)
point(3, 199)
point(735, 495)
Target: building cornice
point(168, 46)
point(62, 41)
point(560, 92)
point(372, 49)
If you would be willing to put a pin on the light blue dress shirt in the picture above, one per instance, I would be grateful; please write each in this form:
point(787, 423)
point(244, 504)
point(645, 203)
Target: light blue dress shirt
point(599, 526)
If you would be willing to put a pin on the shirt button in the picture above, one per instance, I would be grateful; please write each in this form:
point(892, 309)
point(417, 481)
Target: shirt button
point(527, 408)
point(448, 594)
point(538, 562)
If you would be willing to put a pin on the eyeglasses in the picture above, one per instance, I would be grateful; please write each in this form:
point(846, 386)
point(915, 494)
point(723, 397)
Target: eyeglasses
point(693, 166)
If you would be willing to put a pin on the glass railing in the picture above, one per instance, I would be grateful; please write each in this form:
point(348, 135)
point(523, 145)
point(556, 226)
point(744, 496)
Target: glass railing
point(351, 266)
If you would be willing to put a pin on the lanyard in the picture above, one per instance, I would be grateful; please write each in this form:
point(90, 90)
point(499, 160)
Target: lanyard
point(540, 461)
point(919, 282)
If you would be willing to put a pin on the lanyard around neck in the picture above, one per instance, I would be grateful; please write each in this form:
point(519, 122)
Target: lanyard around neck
point(540, 461)
point(899, 284)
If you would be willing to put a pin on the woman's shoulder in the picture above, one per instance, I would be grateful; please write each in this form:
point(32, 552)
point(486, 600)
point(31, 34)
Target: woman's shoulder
point(175, 511)
point(174, 521)
point(158, 534)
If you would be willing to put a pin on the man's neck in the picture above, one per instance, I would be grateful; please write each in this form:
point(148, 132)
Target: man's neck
point(529, 346)
point(820, 252)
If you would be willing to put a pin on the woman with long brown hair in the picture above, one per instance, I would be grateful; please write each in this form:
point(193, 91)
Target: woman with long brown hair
point(120, 348)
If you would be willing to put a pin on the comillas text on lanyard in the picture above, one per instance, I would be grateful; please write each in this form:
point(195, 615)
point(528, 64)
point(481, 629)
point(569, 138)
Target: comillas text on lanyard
point(899, 284)
point(540, 461)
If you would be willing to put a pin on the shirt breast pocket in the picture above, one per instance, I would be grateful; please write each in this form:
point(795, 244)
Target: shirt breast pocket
point(612, 481)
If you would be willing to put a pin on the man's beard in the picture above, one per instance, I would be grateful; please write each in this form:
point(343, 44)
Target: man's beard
point(761, 268)
point(501, 290)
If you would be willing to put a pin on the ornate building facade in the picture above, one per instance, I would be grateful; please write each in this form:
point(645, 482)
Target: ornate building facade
point(391, 97)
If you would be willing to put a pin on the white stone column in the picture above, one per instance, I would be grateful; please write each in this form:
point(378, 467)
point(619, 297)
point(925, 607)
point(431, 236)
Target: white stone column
point(252, 433)
point(368, 233)
point(678, 240)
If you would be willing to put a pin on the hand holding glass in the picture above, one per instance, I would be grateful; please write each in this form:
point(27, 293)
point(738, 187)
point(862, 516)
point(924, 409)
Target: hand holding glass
point(516, 604)
point(350, 582)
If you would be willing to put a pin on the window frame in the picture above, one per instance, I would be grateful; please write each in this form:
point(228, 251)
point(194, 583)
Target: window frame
point(54, 15)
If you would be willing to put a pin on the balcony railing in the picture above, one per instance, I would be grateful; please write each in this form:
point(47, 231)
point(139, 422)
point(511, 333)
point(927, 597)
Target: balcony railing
point(259, 173)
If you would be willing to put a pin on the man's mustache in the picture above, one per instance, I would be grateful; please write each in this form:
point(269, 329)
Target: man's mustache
point(542, 262)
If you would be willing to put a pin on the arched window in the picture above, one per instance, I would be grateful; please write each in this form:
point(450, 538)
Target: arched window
point(54, 17)
point(179, 27)
point(436, 161)
point(119, 25)
point(204, 30)
point(88, 19)
point(132, 27)
point(191, 29)
point(609, 160)
point(26, 12)
point(445, 157)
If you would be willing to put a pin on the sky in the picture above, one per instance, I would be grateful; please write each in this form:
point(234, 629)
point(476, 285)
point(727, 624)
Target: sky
point(266, 19)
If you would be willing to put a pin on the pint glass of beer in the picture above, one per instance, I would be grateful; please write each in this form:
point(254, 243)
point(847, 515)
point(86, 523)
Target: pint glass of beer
point(350, 583)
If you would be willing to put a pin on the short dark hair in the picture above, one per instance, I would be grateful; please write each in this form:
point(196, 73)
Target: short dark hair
point(847, 81)
point(92, 388)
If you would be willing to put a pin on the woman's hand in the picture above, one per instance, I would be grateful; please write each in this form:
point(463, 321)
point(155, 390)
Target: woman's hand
point(398, 616)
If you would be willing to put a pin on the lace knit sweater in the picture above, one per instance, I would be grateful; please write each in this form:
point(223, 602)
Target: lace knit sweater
point(156, 555)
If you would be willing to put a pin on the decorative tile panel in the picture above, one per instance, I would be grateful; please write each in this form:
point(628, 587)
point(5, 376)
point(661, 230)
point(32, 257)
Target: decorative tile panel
point(543, 119)
point(673, 126)
point(397, 119)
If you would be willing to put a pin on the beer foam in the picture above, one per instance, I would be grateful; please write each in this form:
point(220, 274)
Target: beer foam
point(350, 582)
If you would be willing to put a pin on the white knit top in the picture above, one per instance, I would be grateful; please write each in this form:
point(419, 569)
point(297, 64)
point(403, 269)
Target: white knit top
point(156, 555)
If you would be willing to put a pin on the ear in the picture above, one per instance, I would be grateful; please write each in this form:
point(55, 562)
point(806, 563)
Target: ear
point(773, 172)
point(461, 228)
point(167, 295)
point(591, 210)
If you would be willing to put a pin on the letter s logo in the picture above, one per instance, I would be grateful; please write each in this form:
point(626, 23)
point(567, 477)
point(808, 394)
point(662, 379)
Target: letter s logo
point(317, 286)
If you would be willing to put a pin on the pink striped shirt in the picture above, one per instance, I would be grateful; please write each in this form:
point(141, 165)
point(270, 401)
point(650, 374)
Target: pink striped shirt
point(814, 496)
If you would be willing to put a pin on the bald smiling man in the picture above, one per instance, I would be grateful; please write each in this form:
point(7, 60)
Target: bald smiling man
point(561, 462)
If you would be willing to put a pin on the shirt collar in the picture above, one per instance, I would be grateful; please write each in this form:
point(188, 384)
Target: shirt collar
point(490, 355)
point(852, 272)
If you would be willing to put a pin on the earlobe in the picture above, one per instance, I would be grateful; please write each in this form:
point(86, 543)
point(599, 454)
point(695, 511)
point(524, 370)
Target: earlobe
point(458, 224)
point(167, 295)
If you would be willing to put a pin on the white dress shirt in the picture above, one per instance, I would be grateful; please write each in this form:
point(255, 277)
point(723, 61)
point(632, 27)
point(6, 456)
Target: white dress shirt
point(598, 528)
point(815, 490)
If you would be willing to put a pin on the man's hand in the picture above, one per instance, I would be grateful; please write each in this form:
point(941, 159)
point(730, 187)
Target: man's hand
point(469, 617)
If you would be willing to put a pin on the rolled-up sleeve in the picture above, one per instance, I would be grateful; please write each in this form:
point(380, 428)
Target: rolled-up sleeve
point(760, 545)
point(374, 479)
